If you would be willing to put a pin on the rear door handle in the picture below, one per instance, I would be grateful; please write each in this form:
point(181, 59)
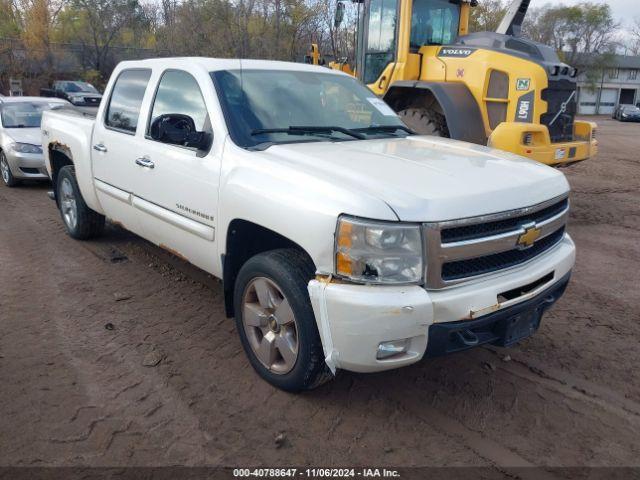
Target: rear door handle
point(100, 148)
point(145, 162)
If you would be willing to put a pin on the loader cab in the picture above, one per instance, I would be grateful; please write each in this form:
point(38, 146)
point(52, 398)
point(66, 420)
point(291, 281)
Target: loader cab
point(384, 25)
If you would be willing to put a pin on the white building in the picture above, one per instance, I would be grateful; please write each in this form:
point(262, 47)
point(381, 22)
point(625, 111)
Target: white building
point(617, 85)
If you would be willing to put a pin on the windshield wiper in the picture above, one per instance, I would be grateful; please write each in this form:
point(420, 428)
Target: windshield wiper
point(300, 130)
point(385, 129)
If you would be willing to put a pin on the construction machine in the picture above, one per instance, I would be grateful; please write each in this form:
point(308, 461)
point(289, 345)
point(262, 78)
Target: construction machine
point(489, 88)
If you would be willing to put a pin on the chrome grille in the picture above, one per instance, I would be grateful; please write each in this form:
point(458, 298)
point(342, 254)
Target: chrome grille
point(462, 250)
point(479, 230)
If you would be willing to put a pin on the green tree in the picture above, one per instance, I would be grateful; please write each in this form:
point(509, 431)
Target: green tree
point(9, 19)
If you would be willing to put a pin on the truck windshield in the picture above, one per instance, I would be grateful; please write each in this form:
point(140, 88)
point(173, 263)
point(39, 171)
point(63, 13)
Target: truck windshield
point(22, 114)
point(78, 87)
point(434, 22)
point(265, 107)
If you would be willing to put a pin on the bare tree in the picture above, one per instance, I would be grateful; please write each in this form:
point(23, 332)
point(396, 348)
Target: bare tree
point(634, 44)
point(487, 16)
point(105, 21)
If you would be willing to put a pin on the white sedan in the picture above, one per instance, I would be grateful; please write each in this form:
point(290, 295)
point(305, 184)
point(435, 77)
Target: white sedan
point(20, 138)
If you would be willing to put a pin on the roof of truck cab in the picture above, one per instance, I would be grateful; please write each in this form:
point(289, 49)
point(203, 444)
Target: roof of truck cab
point(215, 64)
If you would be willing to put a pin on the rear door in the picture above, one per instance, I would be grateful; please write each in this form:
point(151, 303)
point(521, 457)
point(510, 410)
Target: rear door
point(177, 196)
point(116, 146)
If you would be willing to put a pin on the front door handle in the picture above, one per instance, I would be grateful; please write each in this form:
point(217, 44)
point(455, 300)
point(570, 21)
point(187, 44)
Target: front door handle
point(100, 148)
point(145, 162)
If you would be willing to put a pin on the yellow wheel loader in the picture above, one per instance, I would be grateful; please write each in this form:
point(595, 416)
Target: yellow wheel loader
point(489, 88)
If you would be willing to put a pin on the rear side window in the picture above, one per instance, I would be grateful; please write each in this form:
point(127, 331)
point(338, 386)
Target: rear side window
point(126, 98)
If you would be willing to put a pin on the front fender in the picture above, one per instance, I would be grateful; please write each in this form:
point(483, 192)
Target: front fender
point(464, 119)
point(290, 202)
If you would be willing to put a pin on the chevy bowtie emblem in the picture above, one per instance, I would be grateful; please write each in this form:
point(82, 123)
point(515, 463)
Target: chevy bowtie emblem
point(529, 237)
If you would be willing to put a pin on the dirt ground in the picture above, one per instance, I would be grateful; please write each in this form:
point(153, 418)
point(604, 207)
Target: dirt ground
point(80, 320)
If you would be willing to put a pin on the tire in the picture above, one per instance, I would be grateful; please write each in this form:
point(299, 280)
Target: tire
point(80, 221)
point(5, 172)
point(265, 285)
point(425, 121)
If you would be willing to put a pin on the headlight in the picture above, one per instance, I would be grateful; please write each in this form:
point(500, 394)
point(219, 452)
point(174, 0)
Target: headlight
point(378, 252)
point(25, 148)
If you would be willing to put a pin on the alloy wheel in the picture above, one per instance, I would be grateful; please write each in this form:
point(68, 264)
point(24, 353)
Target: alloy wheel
point(270, 325)
point(4, 168)
point(68, 204)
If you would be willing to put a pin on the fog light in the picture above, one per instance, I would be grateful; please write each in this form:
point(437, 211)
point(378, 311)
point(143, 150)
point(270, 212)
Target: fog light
point(392, 348)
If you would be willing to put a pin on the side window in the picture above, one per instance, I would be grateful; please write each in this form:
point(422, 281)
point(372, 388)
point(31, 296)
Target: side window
point(179, 95)
point(126, 98)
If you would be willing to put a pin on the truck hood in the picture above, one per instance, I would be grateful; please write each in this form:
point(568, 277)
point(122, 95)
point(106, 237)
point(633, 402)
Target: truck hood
point(32, 136)
point(427, 178)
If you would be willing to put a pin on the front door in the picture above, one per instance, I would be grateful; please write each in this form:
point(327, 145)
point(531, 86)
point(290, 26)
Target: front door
point(114, 147)
point(178, 195)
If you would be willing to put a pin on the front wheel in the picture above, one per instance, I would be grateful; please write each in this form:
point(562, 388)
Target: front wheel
point(276, 323)
point(80, 221)
point(5, 171)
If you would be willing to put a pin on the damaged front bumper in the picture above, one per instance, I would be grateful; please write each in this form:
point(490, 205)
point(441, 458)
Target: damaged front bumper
point(357, 321)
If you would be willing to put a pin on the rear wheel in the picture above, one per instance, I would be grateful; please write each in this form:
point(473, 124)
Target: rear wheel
point(425, 121)
point(5, 172)
point(276, 323)
point(80, 221)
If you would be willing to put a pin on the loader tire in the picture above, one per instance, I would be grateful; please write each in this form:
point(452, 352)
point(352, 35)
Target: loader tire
point(425, 121)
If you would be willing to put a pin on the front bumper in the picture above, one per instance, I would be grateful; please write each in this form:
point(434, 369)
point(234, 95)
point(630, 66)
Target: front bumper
point(509, 137)
point(354, 319)
point(27, 165)
point(503, 328)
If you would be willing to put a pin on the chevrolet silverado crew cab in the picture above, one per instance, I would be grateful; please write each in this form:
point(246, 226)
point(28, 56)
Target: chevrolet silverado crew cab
point(343, 240)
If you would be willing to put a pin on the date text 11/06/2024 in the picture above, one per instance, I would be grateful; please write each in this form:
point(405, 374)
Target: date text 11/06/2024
point(316, 472)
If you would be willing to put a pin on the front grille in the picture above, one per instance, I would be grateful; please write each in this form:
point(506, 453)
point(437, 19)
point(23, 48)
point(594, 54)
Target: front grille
point(479, 230)
point(460, 250)
point(498, 261)
point(558, 92)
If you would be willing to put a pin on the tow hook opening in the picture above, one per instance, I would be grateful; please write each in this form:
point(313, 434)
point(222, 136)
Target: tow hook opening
point(468, 338)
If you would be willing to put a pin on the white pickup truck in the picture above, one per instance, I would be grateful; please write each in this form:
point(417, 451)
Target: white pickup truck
point(343, 240)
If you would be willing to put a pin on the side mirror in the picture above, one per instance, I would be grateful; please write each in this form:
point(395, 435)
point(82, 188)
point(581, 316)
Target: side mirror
point(179, 129)
point(339, 14)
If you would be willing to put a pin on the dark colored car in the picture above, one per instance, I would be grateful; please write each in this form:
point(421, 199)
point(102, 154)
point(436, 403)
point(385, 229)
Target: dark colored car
point(628, 113)
point(80, 94)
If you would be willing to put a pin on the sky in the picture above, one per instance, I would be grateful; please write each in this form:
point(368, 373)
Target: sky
point(623, 10)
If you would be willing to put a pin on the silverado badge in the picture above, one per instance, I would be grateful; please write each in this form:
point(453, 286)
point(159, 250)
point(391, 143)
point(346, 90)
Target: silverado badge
point(529, 237)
